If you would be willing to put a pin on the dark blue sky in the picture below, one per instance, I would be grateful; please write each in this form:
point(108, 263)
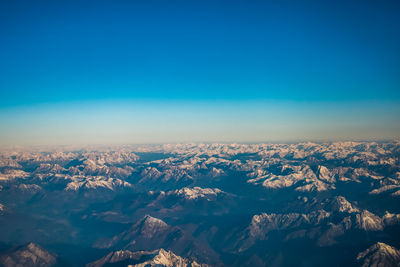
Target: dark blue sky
point(60, 52)
point(300, 50)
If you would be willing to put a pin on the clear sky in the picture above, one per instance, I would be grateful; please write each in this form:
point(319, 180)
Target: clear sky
point(181, 71)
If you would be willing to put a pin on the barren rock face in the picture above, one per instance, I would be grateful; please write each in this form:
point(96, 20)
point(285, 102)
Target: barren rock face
point(29, 255)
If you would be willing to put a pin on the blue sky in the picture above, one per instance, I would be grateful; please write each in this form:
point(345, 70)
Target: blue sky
point(198, 71)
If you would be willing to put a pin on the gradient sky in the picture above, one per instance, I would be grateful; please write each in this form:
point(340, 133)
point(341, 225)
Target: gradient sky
point(77, 72)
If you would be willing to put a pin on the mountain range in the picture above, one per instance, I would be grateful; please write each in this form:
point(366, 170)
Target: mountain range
point(300, 204)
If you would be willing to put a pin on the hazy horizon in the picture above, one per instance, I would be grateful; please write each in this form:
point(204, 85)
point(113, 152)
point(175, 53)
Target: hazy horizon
point(157, 72)
point(145, 122)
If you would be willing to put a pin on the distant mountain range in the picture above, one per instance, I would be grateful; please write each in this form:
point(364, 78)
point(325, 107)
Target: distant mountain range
point(303, 204)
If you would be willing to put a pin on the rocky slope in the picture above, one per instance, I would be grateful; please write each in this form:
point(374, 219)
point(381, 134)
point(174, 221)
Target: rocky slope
point(28, 255)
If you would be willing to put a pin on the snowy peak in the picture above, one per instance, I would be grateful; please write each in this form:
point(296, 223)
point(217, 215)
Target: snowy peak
point(122, 256)
point(169, 259)
point(380, 254)
point(150, 225)
point(262, 224)
point(159, 258)
point(341, 204)
point(325, 174)
point(143, 235)
point(198, 193)
point(369, 221)
point(95, 183)
point(150, 233)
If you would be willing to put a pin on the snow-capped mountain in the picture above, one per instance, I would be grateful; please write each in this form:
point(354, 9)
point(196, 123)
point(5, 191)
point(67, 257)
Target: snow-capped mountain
point(151, 233)
point(380, 254)
point(159, 258)
point(215, 204)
